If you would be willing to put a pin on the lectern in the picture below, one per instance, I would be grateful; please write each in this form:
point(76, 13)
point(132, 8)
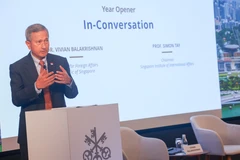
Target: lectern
point(74, 133)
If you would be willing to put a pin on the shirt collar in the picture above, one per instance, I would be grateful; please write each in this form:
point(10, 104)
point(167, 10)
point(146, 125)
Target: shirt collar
point(36, 61)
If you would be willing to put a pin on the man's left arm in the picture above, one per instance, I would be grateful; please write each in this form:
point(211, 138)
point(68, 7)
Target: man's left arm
point(64, 77)
point(71, 90)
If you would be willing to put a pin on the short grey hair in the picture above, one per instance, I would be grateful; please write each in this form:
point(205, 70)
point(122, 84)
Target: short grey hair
point(34, 28)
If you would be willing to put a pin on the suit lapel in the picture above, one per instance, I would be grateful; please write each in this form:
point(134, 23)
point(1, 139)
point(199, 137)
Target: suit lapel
point(30, 67)
point(51, 67)
point(51, 64)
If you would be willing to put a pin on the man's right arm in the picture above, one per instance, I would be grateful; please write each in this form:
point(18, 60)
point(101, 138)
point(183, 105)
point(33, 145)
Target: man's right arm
point(22, 94)
point(36, 89)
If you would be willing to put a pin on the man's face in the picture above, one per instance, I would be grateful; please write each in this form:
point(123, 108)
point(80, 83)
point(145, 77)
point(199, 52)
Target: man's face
point(39, 44)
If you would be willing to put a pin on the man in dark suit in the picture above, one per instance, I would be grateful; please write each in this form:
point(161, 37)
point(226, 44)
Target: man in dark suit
point(34, 75)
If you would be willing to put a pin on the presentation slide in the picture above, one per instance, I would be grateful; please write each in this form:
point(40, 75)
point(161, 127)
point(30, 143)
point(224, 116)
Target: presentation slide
point(227, 27)
point(154, 58)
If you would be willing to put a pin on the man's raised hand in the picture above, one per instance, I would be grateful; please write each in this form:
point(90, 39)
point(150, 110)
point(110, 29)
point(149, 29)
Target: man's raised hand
point(45, 79)
point(62, 77)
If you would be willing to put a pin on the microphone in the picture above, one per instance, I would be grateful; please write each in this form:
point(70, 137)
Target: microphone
point(44, 67)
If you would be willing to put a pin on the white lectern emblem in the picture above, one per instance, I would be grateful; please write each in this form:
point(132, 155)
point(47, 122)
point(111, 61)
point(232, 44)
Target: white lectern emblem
point(96, 152)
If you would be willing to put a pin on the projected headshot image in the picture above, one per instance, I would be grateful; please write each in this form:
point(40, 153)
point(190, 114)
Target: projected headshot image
point(227, 27)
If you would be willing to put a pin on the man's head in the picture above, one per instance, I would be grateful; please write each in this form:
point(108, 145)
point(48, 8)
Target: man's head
point(37, 40)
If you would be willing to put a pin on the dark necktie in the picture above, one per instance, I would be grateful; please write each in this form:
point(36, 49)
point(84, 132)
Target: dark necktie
point(47, 96)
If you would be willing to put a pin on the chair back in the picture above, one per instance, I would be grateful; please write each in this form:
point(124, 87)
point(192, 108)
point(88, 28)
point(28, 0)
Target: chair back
point(137, 147)
point(208, 130)
point(210, 122)
point(131, 142)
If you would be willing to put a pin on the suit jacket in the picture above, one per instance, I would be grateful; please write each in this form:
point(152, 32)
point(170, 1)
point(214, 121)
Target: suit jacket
point(23, 74)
